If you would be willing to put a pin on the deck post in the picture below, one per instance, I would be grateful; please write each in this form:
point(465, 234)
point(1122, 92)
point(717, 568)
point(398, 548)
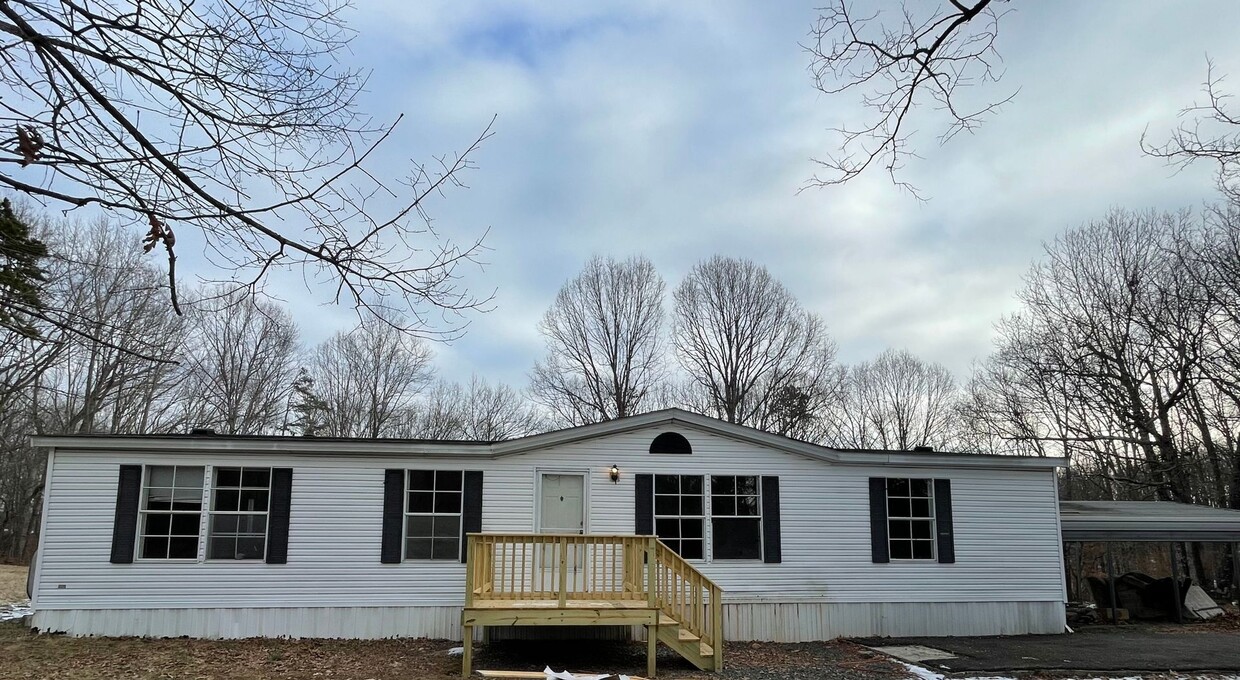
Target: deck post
point(651, 574)
point(716, 620)
point(471, 565)
point(652, 642)
point(563, 570)
point(467, 657)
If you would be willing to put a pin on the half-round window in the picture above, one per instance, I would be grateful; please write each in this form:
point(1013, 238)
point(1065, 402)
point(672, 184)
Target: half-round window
point(670, 442)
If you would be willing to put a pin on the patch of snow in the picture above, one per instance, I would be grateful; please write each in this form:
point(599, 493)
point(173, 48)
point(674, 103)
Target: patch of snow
point(15, 610)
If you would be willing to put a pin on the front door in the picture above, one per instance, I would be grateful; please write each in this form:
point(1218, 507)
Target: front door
point(562, 509)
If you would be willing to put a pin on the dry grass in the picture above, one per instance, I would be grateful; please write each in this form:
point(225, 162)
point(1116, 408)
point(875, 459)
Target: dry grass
point(12, 583)
point(29, 655)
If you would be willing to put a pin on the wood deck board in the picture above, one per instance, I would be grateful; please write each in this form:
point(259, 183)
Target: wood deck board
point(555, 604)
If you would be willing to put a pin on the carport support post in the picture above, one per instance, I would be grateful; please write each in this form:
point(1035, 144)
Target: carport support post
point(1235, 569)
point(1111, 586)
point(1175, 584)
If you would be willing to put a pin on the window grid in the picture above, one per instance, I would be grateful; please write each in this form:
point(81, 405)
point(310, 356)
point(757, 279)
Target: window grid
point(736, 517)
point(240, 499)
point(910, 519)
point(433, 514)
point(170, 512)
point(679, 514)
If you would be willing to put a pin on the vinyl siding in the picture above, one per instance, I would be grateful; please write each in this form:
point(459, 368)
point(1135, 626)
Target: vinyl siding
point(1006, 531)
point(773, 622)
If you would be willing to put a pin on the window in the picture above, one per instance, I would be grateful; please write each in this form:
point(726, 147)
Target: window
point(678, 513)
point(671, 442)
point(736, 518)
point(171, 512)
point(910, 518)
point(239, 502)
point(433, 515)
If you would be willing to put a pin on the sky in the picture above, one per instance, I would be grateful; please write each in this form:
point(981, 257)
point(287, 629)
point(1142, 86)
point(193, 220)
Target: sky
point(681, 130)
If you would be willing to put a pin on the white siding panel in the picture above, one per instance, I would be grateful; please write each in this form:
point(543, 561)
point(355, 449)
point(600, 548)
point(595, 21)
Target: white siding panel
point(1006, 533)
point(805, 621)
point(365, 623)
point(771, 622)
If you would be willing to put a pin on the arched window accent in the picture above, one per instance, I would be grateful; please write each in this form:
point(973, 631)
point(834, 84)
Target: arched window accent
point(670, 442)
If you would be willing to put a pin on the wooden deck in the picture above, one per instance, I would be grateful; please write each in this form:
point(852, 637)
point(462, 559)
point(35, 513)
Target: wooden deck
point(593, 580)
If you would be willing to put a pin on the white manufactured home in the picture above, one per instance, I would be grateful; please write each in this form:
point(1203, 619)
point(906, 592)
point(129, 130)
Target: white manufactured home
point(759, 537)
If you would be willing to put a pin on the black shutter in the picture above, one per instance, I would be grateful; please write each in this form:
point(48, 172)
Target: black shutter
point(772, 550)
point(471, 507)
point(125, 524)
point(278, 514)
point(393, 516)
point(643, 505)
point(943, 520)
point(880, 551)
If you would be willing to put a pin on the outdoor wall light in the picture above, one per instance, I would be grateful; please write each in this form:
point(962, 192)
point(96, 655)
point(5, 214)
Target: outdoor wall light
point(614, 473)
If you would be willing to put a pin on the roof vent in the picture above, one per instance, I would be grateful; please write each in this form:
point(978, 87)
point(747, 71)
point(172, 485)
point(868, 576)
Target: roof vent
point(203, 432)
point(923, 449)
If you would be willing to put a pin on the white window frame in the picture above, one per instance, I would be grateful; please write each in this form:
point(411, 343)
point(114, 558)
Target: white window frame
point(239, 513)
point(912, 517)
point(434, 490)
point(710, 510)
point(703, 517)
point(144, 512)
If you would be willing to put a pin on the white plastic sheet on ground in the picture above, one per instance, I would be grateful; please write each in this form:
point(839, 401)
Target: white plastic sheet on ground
point(15, 610)
point(565, 675)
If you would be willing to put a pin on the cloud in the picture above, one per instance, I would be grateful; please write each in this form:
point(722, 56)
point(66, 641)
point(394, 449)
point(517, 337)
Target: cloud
point(680, 131)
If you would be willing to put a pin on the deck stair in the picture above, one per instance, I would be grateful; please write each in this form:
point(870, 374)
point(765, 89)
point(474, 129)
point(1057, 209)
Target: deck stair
point(593, 580)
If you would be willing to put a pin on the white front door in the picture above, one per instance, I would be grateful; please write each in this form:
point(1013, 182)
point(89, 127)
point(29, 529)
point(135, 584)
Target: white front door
point(562, 509)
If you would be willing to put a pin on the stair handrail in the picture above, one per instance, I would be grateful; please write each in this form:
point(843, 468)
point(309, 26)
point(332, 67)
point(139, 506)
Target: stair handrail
point(687, 595)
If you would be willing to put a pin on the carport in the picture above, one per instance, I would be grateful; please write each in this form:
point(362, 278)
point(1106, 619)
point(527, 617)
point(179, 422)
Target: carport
point(1150, 521)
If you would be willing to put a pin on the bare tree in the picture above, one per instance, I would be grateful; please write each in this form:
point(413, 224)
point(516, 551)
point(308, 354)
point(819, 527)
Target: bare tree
point(90, 381)
point(926, 53)
point(743, 339)
point(1212, 134)
point(1124, 359)
point(1109, 355)
point(232, 120)
point(478, 411)
point(367, 377)
point(604, 350)
point(114, 372)
point(241, 361)
point(897, 401)
point(23, 361)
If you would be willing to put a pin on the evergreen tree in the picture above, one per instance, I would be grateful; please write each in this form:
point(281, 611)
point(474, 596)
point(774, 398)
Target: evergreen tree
point(21, 277)
point(307, 408)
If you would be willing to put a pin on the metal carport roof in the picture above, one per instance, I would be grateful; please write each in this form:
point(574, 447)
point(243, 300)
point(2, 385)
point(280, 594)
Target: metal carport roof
point(1147, 521)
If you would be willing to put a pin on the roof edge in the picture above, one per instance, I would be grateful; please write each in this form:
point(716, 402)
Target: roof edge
point(307, 445)
point(511, 447)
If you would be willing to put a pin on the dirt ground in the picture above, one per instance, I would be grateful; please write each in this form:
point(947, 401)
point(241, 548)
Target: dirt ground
point(29, 655)
point(12, 583)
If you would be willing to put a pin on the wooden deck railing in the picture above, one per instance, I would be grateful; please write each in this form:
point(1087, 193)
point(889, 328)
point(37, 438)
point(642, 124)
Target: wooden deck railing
point(563, 567)
point(555, 567)
point(685, 594)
